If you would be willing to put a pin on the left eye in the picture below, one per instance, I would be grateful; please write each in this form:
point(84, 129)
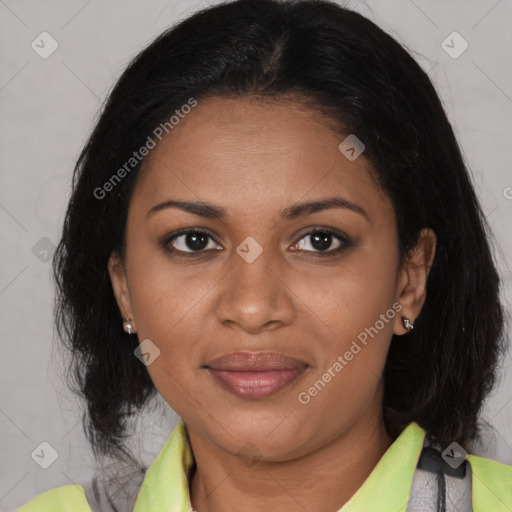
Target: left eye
point(321, 240)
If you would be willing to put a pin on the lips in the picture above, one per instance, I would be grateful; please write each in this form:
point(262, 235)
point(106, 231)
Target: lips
point(255, 375)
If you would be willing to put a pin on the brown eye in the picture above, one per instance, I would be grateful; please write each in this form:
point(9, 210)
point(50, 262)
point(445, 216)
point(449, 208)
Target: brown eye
point(190, 241)
point(320, 241)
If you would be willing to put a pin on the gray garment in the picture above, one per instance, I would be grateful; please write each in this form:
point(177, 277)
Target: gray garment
point(424, 495)
point(424, 492)
point(122, 500)
point(438, 487)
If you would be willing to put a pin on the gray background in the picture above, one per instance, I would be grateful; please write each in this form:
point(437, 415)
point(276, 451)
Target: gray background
point(48, 109)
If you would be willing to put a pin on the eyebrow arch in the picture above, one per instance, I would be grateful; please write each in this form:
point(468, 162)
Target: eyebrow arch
point(211, 211)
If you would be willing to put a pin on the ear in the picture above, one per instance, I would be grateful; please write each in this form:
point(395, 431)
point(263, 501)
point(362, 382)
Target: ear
point(412, 279)
point(119, 282)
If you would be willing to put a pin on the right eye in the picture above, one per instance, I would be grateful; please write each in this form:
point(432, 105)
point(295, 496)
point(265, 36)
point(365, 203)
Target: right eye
point(189, 241)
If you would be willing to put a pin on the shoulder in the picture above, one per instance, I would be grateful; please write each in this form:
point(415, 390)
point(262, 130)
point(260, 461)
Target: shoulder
point(492, 484)
point(489, 469)
point(68, 498)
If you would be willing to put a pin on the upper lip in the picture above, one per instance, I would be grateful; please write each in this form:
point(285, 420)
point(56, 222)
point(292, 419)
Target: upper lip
point(254, 361)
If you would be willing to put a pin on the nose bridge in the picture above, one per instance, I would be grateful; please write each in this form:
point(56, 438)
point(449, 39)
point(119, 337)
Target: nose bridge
point(252, 280)
point(253, 295)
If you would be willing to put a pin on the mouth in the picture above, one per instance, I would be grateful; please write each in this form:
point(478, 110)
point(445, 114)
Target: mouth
point(255, 375)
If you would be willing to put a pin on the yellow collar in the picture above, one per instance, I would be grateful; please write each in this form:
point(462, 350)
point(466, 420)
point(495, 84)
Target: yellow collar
point(165, 485)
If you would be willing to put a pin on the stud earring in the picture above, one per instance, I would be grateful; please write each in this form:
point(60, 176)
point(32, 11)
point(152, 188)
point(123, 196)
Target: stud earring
point(408, 324)
point(127, 325)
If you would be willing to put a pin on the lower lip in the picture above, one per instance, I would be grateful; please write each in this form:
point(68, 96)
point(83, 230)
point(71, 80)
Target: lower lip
point(256, 385)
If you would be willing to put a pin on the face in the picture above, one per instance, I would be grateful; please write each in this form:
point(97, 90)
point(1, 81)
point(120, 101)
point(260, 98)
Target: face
point(319, 287)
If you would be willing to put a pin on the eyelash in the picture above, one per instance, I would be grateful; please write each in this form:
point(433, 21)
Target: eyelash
point(345, 241)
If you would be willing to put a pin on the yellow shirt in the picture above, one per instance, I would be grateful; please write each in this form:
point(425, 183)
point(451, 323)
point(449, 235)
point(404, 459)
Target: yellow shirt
point(165, 486)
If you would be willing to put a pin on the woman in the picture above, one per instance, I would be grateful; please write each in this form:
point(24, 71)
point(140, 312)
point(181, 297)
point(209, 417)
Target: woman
point(273, 229)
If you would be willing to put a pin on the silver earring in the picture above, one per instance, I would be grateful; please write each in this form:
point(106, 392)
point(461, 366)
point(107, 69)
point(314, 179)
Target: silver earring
point(127, 325)
point(408, 324)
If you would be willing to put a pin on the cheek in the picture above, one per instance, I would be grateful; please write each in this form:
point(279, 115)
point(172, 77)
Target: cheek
point(356, 307)
point(351, 296)
point(163, 293)
point(172, 307)
point(167, 309)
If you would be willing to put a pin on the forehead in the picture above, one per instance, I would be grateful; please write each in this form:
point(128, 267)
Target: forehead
point(252, 156)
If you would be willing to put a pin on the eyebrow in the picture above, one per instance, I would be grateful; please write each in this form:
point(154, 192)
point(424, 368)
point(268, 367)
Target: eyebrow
point(211, 211)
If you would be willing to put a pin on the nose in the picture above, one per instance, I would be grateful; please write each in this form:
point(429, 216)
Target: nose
point(255, 297)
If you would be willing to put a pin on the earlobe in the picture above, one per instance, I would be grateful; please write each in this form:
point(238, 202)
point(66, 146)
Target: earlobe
point(119, 282)
point(412, 280)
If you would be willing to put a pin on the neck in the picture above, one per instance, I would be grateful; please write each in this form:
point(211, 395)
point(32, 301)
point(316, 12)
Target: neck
point(323, 480)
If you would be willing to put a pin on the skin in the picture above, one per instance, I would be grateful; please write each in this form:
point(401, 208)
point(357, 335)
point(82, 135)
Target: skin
point(254, 159)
